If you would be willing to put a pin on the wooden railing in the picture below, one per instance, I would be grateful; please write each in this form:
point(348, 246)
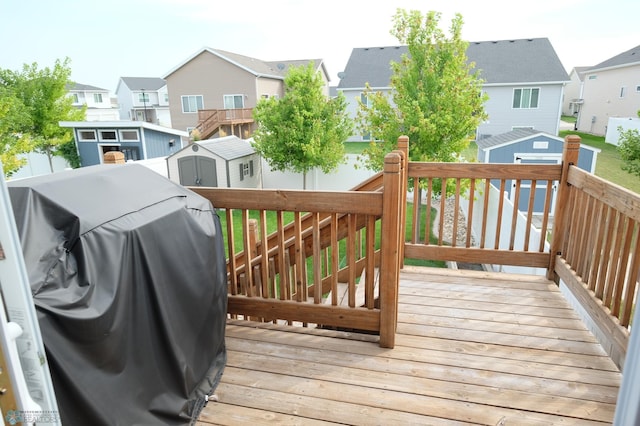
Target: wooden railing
point(450, 194)
point(591, 242)
point(323, 247)
point(210, 120)
point(597, 250)
point(295, 272)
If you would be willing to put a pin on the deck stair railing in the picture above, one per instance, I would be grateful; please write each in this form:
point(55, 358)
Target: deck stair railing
point(322, 239)
point(211, 120)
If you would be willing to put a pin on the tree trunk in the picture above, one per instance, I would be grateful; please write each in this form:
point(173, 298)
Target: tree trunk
point(48, 151)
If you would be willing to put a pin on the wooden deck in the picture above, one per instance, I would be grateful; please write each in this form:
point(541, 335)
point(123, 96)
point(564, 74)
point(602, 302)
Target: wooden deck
point(472, 348)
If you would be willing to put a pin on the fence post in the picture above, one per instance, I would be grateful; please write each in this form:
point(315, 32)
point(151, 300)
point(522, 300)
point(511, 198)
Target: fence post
point(390, 248)
point(403, 146)
point(570, 154)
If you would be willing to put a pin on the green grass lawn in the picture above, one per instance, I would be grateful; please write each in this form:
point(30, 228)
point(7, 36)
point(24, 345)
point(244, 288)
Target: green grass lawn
point(288, 218)
point(355, 147)
point(609, 163)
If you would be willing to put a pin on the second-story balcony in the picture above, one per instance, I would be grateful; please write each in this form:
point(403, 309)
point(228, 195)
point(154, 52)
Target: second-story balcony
point(225, 122)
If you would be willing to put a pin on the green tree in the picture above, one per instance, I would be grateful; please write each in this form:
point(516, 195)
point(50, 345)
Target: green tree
point(304, 129)
point(13, 142)
point(436, 95)
point(629, 149)
point(42, 93)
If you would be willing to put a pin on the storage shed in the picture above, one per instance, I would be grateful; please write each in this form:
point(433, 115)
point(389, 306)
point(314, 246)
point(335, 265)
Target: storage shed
point(530, 146)
point(227, 162)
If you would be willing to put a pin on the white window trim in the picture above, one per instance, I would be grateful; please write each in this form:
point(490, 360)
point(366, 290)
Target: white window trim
point(107, 140)
point(525, 88)
point(120, 131)
point(190, 96)
point(81, 139)
point(224, 100)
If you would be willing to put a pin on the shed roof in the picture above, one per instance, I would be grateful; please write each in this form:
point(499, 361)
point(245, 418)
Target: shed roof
point(530, 60)
point(518, 135)
point(228, 147)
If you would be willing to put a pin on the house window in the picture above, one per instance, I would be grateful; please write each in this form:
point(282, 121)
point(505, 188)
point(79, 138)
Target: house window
point(97, 98)
point(87, 135)
point(129, 135)
point(233, 101)
point(108, 135)
point(264, 96)
point(526, 98)
point(76, 99)
point(246, 169)
point(143, 97)
point(192, 103)
point(365, 100)
point(593, 77)
point(622, 91)
point(166, 97)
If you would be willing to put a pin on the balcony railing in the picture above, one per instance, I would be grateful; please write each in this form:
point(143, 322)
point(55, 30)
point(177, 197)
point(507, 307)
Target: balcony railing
point(294, 273)
point(210, 120)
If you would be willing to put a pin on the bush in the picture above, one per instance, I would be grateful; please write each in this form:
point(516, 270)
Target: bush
point(629, 149)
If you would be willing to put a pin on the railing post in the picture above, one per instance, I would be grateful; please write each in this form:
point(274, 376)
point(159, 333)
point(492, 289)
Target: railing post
point(403, 146)
point(570, 154)
point(390, 248)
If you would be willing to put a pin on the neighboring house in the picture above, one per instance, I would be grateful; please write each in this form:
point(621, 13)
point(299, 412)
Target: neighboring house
point(524, 80)
point(573, 100)
point(611, 89)
point(97, 101)
point(218, 81)
point(137, 140)
point(226, 162)
point(144, 99)
point(528, 146)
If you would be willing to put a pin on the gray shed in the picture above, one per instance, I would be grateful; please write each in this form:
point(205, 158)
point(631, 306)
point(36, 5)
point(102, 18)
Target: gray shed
point(530, 146)
point(227, 162)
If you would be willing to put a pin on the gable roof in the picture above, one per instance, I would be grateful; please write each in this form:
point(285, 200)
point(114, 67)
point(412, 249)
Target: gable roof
point(257, 67)
point(500, 62)
point(513, 136)
point(78, 87)
point(579, 71)
point(518, 135)
point(143, 83)
point(630, 57)
point(228, 147)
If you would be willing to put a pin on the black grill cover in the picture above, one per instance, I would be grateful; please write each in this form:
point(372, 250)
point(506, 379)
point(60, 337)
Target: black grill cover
point(128, 275)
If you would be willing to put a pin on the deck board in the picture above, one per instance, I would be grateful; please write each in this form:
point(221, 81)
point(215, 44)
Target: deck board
point(465, 354)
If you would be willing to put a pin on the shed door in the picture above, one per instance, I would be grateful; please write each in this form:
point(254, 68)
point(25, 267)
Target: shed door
point(541, 186)
point(197, 171)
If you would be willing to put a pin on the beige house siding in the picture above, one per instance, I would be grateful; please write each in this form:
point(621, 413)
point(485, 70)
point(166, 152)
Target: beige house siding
point(573, 90)
point(269, 87)
point(602, 97)
point(209, 76)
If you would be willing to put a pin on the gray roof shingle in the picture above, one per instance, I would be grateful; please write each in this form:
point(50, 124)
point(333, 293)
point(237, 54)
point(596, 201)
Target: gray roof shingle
point(507, 137)
point(499, 62)
point(84, 87)
point(228, 147)
point(143, 83)
point(631, 56)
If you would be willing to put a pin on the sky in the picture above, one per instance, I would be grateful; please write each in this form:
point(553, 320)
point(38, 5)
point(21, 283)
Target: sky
point(109, 39)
